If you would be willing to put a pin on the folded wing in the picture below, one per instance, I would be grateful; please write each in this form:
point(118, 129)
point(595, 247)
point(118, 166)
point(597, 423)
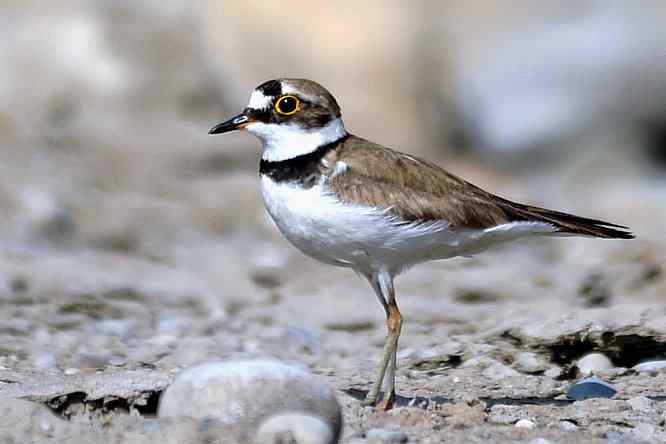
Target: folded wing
point(416, 190)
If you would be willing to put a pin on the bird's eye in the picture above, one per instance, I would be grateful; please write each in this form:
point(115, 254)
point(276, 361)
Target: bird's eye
point(287, 105)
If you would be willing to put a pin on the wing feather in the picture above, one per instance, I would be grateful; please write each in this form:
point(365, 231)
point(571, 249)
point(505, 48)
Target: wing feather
point(417, 190)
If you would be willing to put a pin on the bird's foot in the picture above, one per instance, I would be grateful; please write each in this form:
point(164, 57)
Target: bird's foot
point(388, 403)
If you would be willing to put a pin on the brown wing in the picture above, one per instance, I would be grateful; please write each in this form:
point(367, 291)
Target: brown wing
point(417, 190)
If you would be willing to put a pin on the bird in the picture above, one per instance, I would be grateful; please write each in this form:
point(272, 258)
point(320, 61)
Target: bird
point(349, 202)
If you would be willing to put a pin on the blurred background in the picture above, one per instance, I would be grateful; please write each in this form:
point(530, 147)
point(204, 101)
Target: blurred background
point(123, 221)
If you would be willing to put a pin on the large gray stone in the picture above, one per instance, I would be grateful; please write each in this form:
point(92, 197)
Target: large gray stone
point(243, 394)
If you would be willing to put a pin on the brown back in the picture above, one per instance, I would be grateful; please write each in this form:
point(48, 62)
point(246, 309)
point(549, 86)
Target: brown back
point(417, 190)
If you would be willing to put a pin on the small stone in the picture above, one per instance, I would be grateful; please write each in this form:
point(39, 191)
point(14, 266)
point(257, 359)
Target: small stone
point(641, 404)
point(593, 363)
point(591, 388)
point(505, 414)
point(71, 371)
point(568, 426)
point(241, 395)
point(497, 370)
point(438, 357)
point(650, 367)
point(384, 436)
point(117, 361)
point(525, 424)
point(528, 362)
point(296, 428)
point(553, 372)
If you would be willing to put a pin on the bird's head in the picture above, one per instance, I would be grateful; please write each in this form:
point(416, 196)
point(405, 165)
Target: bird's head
point(291, 117)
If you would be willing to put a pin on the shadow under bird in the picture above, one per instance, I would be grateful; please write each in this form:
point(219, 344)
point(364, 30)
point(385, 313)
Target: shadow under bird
point(349, 202)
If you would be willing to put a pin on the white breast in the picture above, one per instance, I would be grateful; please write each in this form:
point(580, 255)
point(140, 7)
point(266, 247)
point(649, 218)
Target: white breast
point(367, 238)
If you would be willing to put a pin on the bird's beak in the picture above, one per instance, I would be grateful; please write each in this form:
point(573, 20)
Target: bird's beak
point(237, 122)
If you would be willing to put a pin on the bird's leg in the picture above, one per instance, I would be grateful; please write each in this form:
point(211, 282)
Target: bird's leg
point(373, 394)
point(394, 324)
point(383, 286)
point(388, 398)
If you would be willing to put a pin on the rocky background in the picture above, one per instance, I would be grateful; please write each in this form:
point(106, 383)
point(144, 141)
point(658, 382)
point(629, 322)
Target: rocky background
point(133, 245)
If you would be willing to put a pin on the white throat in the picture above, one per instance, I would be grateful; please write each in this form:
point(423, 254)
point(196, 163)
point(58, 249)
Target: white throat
point(282, 142)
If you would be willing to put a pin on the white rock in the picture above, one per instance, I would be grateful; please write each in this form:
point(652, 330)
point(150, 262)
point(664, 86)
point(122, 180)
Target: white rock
point(384, 436)
point(641, 404)
point(294, 427)
point(528, 362)
point(593, 363)
point(243, 394)
point(650, 366)
point(553, 372)
point(525, 424)
point(568, 426)
point(497, 370)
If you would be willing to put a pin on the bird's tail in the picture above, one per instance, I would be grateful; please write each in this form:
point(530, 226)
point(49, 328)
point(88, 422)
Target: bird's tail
point(569, 224)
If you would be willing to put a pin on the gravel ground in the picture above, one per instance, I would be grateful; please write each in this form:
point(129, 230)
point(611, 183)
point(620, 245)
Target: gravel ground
point(96, 334)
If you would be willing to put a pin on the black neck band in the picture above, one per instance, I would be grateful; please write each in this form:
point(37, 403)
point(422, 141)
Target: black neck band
point(303, 169)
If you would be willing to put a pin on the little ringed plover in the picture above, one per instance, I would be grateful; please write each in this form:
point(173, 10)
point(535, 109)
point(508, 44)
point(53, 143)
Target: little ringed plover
point(349, 202)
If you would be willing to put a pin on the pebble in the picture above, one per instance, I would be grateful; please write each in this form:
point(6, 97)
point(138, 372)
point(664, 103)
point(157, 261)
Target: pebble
point(525, 424)
point(497, 370)
point(591, 388)
point(117, 361)
point(384, 436)
point(650, 366)
point(568, 426)
point(296, 428)
point(244, 394)
point(642, 404)
point(528, 362)
point(593, 363)
point(505, 414)
point(553, 372)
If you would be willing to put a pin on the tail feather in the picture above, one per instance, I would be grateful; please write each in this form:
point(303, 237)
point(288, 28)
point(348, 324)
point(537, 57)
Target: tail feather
point(568, 223)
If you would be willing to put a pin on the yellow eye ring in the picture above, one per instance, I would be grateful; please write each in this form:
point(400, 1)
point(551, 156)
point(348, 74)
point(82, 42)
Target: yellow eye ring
point(287, 105)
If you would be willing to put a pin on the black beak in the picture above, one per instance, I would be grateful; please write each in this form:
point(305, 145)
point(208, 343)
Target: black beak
point(233, 124)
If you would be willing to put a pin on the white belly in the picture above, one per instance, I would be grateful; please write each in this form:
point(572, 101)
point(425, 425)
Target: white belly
point(370, 239)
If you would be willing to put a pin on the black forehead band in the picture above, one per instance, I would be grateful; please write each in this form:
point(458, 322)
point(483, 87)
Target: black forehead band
point(271, 88)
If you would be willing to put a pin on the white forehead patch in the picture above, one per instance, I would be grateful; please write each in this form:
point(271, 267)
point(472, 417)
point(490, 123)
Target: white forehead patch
point(289, 89)
point(259, 101)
